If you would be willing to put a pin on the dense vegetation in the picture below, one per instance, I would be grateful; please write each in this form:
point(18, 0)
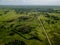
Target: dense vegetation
point(22, 26)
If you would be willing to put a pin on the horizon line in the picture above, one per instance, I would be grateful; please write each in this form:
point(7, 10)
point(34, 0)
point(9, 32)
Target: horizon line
point(29, 5)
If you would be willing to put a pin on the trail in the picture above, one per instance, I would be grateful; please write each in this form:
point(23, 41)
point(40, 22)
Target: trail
point(44, 30)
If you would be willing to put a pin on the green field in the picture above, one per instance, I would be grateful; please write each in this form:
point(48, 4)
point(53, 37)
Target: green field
point(24, 25)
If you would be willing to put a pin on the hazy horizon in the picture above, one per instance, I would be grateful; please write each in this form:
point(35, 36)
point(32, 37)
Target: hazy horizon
point(30, 2)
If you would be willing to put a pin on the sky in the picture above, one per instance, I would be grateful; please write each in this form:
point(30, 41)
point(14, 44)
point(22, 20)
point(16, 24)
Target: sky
point(30, 2)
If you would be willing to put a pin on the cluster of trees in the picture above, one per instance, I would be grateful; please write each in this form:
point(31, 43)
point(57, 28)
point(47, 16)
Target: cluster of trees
point(26, 10)
point(21, 10)
point(24, 18)
point(16, 42)
point(24, 29)
point(51, 19)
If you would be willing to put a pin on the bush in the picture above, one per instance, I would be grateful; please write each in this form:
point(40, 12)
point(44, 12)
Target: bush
point(23, 18)
point(16, 42)
point(24, 29)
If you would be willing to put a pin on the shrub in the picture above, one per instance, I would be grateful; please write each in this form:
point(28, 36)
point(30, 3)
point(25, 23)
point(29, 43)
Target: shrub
point(16, 42)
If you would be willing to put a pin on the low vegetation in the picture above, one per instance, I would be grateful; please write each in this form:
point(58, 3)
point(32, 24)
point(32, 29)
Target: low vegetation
point(22, 26)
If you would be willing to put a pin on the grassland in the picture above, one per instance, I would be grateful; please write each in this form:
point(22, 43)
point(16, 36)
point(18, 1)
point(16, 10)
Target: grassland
point(22, 26)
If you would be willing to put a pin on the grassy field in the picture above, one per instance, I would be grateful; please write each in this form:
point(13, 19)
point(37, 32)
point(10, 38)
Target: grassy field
point(23, 26)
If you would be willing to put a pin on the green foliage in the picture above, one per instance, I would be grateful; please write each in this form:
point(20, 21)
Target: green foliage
point(16, 42)
point(23, 24)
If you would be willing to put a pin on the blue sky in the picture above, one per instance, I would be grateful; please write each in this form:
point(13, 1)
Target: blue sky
point(29, 2)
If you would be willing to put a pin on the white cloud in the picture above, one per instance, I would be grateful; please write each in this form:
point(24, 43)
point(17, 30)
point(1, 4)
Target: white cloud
point(43, 2)
point(31, 2)
point(10, 0)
